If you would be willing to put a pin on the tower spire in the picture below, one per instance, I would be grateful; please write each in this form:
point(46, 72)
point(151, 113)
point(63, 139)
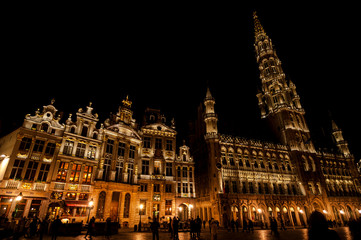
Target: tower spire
point(257, 24)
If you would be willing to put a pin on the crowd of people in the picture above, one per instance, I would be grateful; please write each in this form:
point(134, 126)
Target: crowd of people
point(318, 227)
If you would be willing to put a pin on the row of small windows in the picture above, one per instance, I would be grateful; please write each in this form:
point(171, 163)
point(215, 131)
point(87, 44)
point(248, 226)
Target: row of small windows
point(39, 146)
point(244, 162)
point(38, 171)
point(341, 190)
point(254, 155)
point(121, 149)
point(147, 143)
point(260, 188)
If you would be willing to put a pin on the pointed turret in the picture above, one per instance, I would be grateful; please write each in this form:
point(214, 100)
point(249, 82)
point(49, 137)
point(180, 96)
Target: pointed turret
point(210, 116)
point(338, 137)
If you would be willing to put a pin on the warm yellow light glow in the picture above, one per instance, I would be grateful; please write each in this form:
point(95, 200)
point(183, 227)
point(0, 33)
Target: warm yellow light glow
point(141, 206)
point(342, 212)
point(259, 210)
point(324, 211)
point(190, 206)
point(19, 197)
point(301, 211)
point(180, 209)
point(91, 203)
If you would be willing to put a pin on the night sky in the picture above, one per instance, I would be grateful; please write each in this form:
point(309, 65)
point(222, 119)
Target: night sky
point(165, 58)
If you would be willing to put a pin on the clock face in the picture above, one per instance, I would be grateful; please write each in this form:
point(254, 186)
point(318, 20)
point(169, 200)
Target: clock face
point(218, 165)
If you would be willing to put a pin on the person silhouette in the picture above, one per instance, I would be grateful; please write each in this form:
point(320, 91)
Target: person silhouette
point(318, 228)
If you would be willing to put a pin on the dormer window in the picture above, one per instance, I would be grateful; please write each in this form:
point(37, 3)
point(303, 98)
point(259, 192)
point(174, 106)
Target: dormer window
point(84, 131)
point(44, 127)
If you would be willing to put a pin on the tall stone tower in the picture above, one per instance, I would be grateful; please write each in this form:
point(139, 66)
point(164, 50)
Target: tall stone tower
point(278, 99)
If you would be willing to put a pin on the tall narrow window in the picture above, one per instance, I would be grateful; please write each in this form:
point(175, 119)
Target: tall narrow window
point(91, 152)
point(130, 172)
point(126, 205)
point(75, 173)
point(80, 150)
point(101, 205)
point(25, 144)
point(17, 169)
point(146, 142)
point(185, 172)
point(31, 170)
point(62, 172)
point(169, 169)
point(119, 171)
point(43, 173)
point(68, 147)
point(87, 174)
point(50, 148)
point(168, 207)
point(121, 150)
point(106, 168)
point(39, 146)
point(110, 146)
point(84, 131)
point(145, 167)
point(132, 152)
point(158, 143)
point(169, 145)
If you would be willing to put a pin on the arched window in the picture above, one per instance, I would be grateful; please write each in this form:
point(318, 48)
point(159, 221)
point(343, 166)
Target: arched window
point(101, 205)
point(305, 163)
point(126, 205)
point(312, 164)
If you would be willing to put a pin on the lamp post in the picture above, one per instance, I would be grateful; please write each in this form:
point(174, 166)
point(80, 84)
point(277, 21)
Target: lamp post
point(141, 206)
point(90, 206)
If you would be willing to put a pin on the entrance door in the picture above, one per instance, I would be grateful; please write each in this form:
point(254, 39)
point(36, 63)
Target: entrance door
point(114, 207)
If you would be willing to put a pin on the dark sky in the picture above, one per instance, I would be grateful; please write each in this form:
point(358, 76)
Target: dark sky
point(163, 58)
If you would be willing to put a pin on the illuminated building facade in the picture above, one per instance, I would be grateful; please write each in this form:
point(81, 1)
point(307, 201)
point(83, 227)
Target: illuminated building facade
point(251, 179)
point(76, 170)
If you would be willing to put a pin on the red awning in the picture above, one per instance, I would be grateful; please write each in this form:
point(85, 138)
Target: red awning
point(77, 203)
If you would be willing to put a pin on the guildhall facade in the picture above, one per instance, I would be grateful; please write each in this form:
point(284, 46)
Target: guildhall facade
point(77, 170)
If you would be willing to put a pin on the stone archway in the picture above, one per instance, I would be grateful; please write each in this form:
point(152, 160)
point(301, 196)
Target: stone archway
point(183, 212)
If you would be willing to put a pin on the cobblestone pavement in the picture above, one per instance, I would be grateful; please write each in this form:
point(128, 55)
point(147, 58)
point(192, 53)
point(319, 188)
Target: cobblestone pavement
point(290, 234)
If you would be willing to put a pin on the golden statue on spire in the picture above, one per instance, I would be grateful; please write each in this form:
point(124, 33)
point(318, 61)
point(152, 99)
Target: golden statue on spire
point(127, 103)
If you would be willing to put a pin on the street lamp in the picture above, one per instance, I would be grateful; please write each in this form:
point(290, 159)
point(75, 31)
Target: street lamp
point(90, 206)
point(141, 206)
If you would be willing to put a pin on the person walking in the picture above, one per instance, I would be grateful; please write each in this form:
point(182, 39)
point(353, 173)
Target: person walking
point(55, 228)
point(214, 229)
point(91, 227)
point(198, 227)
point(244, 225)
point(170, 227)
point(318, 228)
point(154, 227)
point(250, 226)
point(175, 228)
point(108, 228)
point(274, 227)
